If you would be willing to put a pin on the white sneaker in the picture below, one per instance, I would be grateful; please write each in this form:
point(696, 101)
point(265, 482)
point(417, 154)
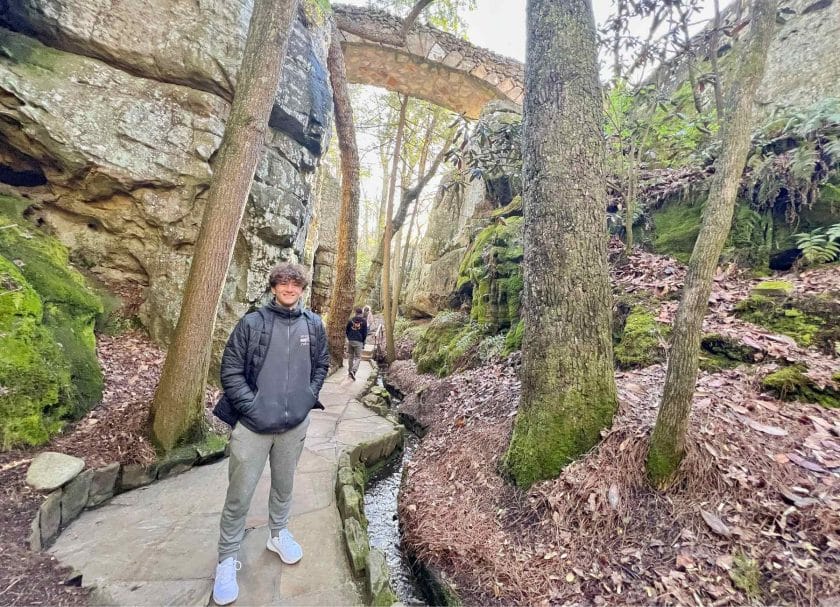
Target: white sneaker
point(285, 545)
point(225, 588)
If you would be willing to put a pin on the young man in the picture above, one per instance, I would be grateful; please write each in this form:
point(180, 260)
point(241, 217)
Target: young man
point(356, 332)
point(273, 367)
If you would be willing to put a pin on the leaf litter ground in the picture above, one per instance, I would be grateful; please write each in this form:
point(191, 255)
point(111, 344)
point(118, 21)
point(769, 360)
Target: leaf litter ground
point(754, 516)
point(115, 431)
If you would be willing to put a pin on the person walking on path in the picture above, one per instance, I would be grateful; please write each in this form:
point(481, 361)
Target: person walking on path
point(272, 370)
point(356, 332)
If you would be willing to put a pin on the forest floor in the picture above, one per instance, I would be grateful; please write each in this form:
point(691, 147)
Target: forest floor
point(115, 431)
point(754, 516)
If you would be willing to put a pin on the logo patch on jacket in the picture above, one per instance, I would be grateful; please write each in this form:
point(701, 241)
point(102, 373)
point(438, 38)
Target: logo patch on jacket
point(304, 340)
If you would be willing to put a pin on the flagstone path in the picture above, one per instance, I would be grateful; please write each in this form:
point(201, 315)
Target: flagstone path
point(157, 545)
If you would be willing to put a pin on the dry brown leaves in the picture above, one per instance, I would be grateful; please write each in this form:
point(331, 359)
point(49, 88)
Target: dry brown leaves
point(761, 482)
point(115, 431)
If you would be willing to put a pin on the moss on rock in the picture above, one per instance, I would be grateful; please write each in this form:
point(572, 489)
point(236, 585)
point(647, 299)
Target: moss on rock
point(782, 316)
point(492, 269)
point(513, 339)
point(433, 352)
point(676, 227)
point(69, 308)
point(642, 340)
point(35, 386)
point(723, 352)
point(792, 383)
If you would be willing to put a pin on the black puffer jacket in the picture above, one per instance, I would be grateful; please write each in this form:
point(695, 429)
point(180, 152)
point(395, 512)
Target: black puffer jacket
point(246, 350)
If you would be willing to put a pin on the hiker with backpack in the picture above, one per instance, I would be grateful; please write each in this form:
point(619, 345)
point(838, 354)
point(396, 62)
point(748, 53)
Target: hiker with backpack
point(356, 332)
point(273, 367)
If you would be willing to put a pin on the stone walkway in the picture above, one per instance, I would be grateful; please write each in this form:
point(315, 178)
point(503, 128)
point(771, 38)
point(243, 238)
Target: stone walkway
point(157, 545)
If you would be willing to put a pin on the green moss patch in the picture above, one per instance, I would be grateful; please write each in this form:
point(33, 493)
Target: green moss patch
point(513, 339)
point(676, 227)
point(492, 271)
point(773, 288)
point(723, 352)
point(35, 387)
point(810, 320)
point(446, 334)
point(642, 341)
point(791, 383)
point(67, 315)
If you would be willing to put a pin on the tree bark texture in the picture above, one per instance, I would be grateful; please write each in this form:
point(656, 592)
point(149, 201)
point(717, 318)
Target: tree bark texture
point(667, 443)
point(408, 197)
point(390, 350)
point(178, 406)
point(568, 388)
point(344, 286)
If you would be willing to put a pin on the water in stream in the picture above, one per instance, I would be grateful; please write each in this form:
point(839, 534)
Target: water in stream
point(383, 524)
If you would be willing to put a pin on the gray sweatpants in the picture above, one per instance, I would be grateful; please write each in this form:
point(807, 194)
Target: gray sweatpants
point(248, 452)
point(355, 355)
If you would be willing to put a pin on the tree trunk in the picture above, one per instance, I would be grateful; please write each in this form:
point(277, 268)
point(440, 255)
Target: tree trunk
point(713, 57)
point(667, 442)
point(390, 352)
point(344, 285)
point(399, 218)
point(178, 407)
point(568, 387)
point(424, 155)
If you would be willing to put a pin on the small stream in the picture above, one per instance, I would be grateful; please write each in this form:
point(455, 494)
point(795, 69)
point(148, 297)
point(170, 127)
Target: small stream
point(383, 523)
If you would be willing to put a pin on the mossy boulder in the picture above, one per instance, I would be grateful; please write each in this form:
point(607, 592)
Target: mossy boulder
point(809, 319)
point(773, 288)
point(675, 229)
point(513, 339)
point(62, 322)
point(35, 388)
point(719, 352)
point(491, 274)
point(792, 383)
point(642, 340)
point(447, 345)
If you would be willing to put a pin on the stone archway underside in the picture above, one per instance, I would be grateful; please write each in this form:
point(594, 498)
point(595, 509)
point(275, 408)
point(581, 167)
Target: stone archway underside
point(431, 64)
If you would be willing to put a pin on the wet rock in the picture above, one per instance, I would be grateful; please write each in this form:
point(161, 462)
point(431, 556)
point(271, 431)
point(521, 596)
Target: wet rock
point(356, 541)
point(378, 580)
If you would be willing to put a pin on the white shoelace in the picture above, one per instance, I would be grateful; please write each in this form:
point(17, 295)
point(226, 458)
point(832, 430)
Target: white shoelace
point(229, 573)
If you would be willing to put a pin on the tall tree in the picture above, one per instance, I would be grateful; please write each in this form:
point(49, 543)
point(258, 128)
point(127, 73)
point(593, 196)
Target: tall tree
point(407, 199)
point(568, 389)
point(178, 407)
point(344, 285)
point(390, 351)
point(667, 442)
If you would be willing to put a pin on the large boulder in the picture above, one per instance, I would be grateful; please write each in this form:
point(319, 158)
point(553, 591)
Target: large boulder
point(444, 245)
point(195, 44)
point(113, 139)
point(49, 370)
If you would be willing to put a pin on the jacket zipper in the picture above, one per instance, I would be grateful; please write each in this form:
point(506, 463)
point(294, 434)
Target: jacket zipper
point(288, 371)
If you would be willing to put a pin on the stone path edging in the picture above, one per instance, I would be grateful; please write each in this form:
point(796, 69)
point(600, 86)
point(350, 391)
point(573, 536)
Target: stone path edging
point(350, 484)
point(157, 545)
point(92, 487)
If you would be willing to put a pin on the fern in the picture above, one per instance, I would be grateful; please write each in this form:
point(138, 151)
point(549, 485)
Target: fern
point(803, 163)
point(833, 232)
point(817, 246)
point(832, 150)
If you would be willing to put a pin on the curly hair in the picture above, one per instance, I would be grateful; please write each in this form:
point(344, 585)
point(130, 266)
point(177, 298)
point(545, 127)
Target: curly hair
point(289, 272)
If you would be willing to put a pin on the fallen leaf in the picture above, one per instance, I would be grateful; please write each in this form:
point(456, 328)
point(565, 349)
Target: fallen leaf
point(613, 497)
point(715, 524)
point(805, 463)
point(771, 430)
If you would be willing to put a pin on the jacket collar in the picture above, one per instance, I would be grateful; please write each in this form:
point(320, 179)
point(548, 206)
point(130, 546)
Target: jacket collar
point(284, 312)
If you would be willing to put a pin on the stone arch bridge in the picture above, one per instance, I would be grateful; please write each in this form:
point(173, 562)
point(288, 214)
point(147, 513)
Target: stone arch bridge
point(430, 65)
